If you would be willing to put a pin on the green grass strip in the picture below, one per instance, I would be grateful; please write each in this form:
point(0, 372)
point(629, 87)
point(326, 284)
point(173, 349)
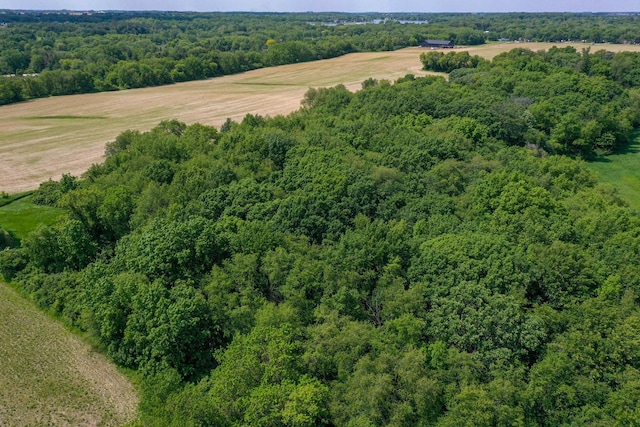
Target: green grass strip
point(22, 216)
point(622, 170)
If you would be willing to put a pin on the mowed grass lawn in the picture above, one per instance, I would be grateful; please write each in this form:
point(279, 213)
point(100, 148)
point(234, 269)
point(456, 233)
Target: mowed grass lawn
point(22, 216)
point(50, 377)
point(45, 138)
point(622, 170)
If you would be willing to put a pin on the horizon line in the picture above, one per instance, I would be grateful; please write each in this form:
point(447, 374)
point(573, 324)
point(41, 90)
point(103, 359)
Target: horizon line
point(323, 11)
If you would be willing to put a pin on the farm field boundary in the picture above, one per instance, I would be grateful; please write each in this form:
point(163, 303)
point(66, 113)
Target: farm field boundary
point(45, 138)
point(49, 376)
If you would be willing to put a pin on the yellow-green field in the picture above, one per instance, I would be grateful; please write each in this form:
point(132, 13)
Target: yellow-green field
point(49, 377)
point(45, 138)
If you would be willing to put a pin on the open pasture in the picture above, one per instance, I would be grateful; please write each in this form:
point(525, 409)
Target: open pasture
point(45, 138)
point(621, 170)
point(22, 216)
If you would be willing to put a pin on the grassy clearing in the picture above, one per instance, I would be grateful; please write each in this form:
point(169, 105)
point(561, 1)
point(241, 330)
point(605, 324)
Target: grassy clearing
point(22, 216)
point(50, 377)
point(621, 170)
point(6, 198)
point(45, 138)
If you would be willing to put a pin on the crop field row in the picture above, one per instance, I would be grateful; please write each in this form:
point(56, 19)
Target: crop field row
point(45, 138)
point(50, 377)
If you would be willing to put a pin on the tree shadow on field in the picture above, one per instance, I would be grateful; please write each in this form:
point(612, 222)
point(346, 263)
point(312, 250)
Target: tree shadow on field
point(632, 147)
point(600, 159)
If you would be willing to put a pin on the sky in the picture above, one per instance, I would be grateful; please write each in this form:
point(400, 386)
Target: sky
point(333, 5)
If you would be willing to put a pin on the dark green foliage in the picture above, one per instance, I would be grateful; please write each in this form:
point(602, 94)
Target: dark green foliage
point(170, 329)
point(540, 99)
point(278, 144)
point(6, 240)
point(115, 211)
point(160, 171)
point(446, 63)
point(122, 142)
point(50, 192)
point(289, 53)
point(12, 262)
point(171, 250)
point(415, 253)
point(10, 90)
point(63, 246)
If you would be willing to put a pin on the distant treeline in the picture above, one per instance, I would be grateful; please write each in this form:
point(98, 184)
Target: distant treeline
point(61, 53)
point(109, 51)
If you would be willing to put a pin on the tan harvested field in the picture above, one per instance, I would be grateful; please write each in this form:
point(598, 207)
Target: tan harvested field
point(50, 377)
point(45, 138)
point(490, 50)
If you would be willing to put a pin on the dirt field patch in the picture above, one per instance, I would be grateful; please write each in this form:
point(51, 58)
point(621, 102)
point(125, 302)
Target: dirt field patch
point(45, 138)
point(49, 377)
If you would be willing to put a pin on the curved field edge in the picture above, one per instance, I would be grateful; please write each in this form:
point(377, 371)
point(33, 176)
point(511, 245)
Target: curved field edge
point(45, 138)
point(621, 170)
point(49, 376)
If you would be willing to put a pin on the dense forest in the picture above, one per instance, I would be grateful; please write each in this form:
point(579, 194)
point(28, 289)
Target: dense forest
point(60, 53)
point(420, 252)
